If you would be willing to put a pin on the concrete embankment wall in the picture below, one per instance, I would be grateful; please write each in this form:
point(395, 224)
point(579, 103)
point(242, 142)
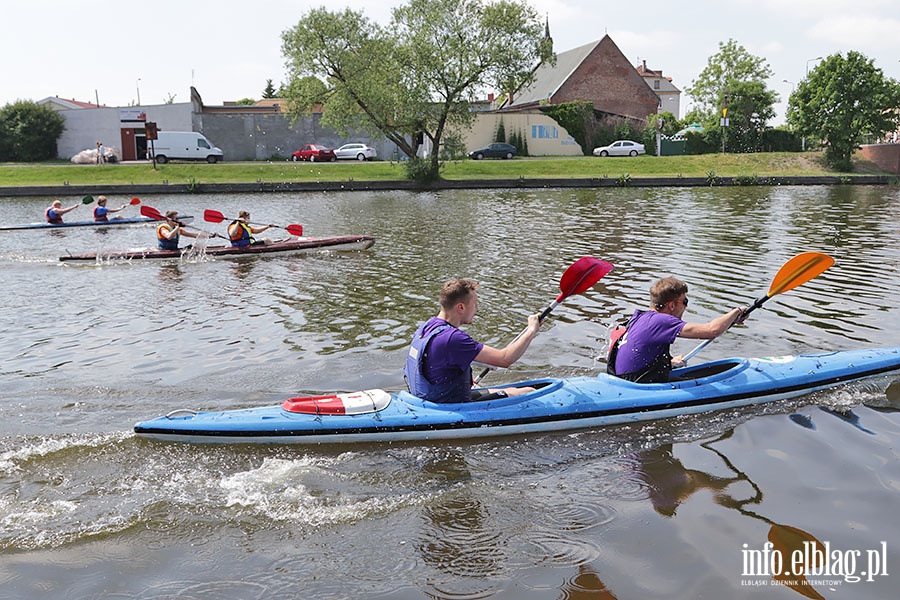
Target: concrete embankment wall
point(351, 186)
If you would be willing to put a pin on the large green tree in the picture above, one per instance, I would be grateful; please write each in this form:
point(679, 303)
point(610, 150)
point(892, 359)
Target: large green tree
point(29, 131)
point(842, 100)
point(415, 78)
point(735, 80)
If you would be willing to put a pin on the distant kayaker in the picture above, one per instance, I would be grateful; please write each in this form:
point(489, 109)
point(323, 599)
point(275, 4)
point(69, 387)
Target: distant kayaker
point(169, 232)
point(55, 211)
point(640, 351)
point(101, 213)
point(439, 361)
point(241, 232)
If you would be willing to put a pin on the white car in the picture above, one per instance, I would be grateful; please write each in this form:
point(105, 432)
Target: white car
point(355, 151)
point(621, 148)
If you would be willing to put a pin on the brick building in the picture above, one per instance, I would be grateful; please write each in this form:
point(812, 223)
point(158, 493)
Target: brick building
point(597, 72)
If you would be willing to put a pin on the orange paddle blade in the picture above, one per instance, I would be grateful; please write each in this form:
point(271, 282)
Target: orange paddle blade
point(799, 270)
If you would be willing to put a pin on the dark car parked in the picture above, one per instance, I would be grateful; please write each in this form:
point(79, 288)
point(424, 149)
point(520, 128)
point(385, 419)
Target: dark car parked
point(495, 150)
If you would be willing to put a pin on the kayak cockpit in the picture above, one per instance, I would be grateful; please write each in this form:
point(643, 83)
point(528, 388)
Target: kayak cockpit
point(711, 371)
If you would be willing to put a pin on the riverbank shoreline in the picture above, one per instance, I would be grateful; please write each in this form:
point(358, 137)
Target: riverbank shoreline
point(448, 184)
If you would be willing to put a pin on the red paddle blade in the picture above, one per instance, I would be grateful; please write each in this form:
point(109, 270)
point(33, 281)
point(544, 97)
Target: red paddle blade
point(582, 275)
point(135, 201)
point(213, 216)
point(296, 230)
point(149, 211)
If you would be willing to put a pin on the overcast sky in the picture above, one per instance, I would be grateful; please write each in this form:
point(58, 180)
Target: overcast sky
point(227, 49)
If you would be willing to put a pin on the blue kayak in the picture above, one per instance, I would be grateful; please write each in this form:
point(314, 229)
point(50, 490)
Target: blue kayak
point(556, 404)
point(110, 223)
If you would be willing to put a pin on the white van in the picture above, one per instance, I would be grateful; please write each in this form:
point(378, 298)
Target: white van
point(183, 145)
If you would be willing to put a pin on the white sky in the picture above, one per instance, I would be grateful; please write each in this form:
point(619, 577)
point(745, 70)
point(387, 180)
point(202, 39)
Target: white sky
point(228, 49)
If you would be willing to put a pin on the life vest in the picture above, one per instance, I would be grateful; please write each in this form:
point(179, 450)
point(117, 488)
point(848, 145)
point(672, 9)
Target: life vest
point(241, 235)
point(453, 389)
point(100, 217)
point(656, 372)
point(162, 242)
point(52, 216)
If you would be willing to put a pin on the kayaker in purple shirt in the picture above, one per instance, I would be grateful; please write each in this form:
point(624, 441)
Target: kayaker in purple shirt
point(640, 351)
point(439, 361)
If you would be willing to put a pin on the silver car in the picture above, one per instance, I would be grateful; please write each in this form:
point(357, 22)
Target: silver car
point(355, 151)
point(621, 148)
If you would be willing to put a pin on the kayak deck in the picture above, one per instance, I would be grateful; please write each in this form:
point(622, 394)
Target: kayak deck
point(286, 247)
point(111, 223)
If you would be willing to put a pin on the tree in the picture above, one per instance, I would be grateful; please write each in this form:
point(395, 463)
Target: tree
point(735, 79)
point(414, 79)
point(269, 91)
point(29, 131)
point(842, 100)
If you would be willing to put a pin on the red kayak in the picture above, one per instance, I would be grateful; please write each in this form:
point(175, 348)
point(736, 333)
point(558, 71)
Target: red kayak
point(287, 247)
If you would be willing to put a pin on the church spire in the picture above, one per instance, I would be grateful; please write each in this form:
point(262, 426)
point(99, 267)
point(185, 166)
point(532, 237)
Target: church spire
point(547, 38)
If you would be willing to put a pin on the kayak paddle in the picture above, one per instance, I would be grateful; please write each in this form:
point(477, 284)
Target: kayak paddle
point(149, 211)
point(581, 275)
point(88, 199)
point(214, 216)
point(797, 271)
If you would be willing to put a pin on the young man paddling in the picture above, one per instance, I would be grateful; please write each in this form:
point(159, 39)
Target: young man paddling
point(439, 361)
point(169, 232)
point(640, 352)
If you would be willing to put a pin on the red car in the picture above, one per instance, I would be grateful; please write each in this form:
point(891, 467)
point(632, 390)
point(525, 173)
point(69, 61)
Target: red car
point(314, 152)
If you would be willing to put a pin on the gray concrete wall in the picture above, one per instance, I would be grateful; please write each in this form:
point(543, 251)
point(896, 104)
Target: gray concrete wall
point(271, 136)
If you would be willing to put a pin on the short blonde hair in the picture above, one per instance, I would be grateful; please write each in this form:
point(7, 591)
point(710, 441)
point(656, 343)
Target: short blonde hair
point(455, 291)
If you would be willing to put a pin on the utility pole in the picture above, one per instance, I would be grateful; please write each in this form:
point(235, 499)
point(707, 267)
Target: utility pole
point(724, 122)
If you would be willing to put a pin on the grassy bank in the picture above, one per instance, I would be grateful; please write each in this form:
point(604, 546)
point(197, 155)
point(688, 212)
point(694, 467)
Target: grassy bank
point(772, 164)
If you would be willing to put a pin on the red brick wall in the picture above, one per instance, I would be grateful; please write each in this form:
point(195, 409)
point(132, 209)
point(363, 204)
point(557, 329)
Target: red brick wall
point(607, 79)
point(886, 156)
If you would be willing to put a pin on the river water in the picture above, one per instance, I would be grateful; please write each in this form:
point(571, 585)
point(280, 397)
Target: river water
point(669, 509)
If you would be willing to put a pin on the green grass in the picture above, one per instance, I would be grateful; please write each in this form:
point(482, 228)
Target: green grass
point(774, 164)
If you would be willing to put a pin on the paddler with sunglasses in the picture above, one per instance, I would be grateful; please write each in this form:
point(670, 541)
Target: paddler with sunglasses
point(640, 351)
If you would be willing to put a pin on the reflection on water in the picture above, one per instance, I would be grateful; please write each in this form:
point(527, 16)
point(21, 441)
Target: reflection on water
point(650, 510)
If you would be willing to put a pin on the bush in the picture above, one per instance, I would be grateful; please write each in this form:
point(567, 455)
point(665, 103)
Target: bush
point(29, 131)
point(422, 170)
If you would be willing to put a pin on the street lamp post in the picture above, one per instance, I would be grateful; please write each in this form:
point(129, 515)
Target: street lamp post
point(809, 61)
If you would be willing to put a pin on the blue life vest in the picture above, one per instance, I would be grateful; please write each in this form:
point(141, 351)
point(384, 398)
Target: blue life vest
point(455, 389)
point(100, 213)
point(53, 216)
